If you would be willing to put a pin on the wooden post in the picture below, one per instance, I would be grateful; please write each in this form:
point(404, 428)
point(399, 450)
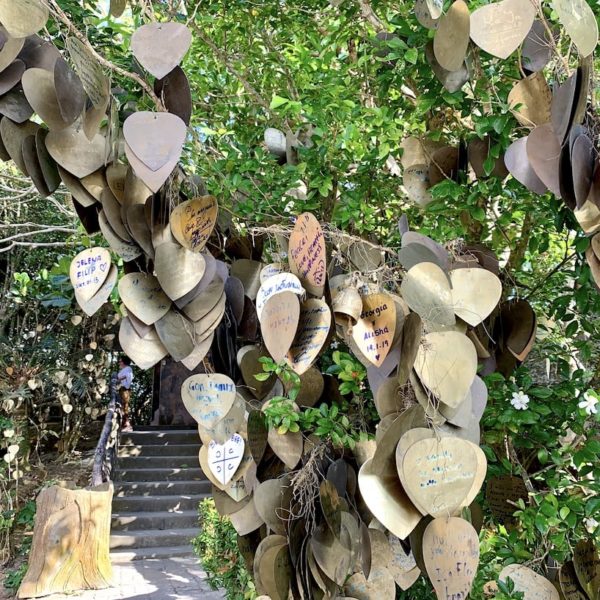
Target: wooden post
point(70, 549)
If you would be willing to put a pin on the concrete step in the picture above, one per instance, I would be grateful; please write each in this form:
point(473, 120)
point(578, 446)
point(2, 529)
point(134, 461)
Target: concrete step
point(160, 438)
point(157, 462)
point(165, 427)
point(161, 520)
point(152, 538)
point(125, 556)
point(174, 474)
point(156, 450)
point(150, 504)
point(162, 488)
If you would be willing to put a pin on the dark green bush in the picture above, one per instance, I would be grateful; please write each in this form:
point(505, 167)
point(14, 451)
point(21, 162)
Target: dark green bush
point(216, 547)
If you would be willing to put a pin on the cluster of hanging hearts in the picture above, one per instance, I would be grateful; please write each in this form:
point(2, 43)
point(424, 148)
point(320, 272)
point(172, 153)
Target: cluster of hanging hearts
point(393, 508)
point(311, 519)
point(175, 308)
point(499, 29)
point(558, 154)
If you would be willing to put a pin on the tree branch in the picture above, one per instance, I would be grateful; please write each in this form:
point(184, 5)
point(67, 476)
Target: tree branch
point(369, 15)
point(24, 234)
point(35, 245)
point(545, 278)
point(518, 253)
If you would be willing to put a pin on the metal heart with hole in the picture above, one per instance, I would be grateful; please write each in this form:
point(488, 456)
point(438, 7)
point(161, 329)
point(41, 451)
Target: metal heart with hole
point(446, 364)
point(475, 294)
point(155, 138)
point(160, 47)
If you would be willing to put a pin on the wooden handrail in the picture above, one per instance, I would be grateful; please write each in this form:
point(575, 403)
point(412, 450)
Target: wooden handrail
point(105, 456)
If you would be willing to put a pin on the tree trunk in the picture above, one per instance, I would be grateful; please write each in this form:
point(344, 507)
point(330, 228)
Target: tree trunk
point(70, 549)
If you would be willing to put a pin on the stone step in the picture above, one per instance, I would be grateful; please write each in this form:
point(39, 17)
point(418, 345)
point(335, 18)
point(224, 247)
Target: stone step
point(156, 450)
point(160, 438)
point(125, 556)
point(158, 462)
point(162, 488)
point(174, 474)
point(165, 428)
point(160, 520)
point(150, 504)
point(152, 538)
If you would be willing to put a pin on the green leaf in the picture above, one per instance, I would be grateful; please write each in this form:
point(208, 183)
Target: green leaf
point(571, 329)
point(411, 56)
point(262, 376)
point(488, 165)
point(477, 213)
point(582, 244)
point(384, 150)
point(592, 507)
point(277, 101)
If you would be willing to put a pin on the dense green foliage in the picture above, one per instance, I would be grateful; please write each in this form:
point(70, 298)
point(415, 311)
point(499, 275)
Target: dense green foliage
point(216, 546)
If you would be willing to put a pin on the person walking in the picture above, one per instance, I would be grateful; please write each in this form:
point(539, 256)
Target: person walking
point(124, 379)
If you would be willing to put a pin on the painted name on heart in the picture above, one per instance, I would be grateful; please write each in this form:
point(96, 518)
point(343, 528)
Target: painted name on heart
point(313, 329)
point(193, 221)
point(451, 556)
point(307, 253)
point(89, 269)
point(374, 331)
point(277, 284)
point(208, 397)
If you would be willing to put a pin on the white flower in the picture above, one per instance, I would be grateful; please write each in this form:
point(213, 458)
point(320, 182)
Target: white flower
point(589, 403)
point(520, 401)
point(89, 357)
point(67, 408)
point(590, 524)
point(8, 433)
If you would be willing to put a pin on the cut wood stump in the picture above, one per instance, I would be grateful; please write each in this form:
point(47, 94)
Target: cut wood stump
point(70, 548)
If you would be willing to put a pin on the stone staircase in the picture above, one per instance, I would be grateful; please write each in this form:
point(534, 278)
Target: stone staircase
point(158, 485)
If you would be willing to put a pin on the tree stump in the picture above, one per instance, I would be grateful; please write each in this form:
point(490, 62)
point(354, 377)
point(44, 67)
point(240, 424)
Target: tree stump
point(70, 549)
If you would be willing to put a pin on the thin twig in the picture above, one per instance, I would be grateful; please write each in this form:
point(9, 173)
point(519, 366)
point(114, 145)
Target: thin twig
point(545, 278)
